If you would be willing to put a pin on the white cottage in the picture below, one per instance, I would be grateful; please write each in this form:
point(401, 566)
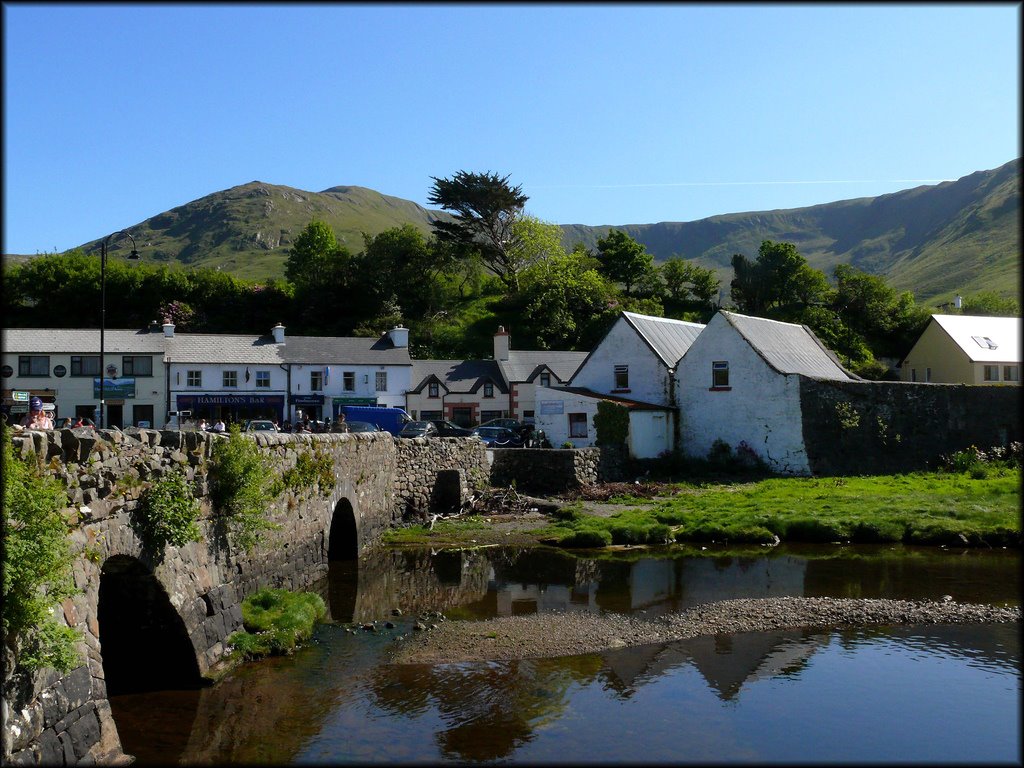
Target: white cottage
point(740, 382)
point(633, 366)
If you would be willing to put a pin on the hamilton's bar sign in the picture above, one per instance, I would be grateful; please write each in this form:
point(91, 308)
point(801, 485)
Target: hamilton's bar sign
point(194, 401)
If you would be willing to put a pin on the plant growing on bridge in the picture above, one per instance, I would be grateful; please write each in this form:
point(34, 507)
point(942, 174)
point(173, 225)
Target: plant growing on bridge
point(312, 468)
point(242, 487)
point(167, 513)
point(275, 621)
point(37, 566)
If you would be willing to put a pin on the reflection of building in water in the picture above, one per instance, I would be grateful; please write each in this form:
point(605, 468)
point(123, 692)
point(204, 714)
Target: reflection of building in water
point(728, 662)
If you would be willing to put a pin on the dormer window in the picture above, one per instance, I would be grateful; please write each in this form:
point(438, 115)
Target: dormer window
point(432, 390)
point(545, 379)
point(488, 390)
point(985, 342)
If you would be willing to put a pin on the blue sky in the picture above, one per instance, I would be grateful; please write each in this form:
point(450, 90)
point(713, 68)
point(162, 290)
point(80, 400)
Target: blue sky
point(605, 113)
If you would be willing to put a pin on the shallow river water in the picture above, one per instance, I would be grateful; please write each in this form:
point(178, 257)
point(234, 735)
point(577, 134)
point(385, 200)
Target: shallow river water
point(888, 694)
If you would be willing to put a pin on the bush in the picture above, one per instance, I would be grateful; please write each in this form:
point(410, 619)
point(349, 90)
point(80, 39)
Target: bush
point(167, 513)
point(587, 539)
point(242, 487)
point(37, 566)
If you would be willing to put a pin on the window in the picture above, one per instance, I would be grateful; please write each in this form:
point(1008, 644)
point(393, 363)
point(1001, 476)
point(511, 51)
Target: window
point(913, 374)
point(85, 366)
point(985, 342)
point(545, 379)
point(577, 425)
point(263, 379)
point(927, 374)
point(194, 378)
point(316, 381)
point(621, 377)
point(382, 381)
point(488, 389)
point(348, 381)
point(432, 390)
point(34, 365)
point(431, 415)
point(1011, 373)
point(991, 373)
point(132, 365)
point(229, 379)
point(143, 414)
point(720, 373)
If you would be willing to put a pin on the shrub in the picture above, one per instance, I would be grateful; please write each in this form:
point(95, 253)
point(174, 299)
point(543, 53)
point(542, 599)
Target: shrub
point(311, 468)
point(813, 529)
point(242, 487)
point(586, 539)
point(167, 513)
point(37, 566)
point(611, 422)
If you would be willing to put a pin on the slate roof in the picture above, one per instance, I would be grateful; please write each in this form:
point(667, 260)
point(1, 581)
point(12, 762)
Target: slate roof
point(262, 350)
point(668, 338)
point(526, 365)
point(975, 334)
point(463, 376)
point(82, 341)
point(788, 347)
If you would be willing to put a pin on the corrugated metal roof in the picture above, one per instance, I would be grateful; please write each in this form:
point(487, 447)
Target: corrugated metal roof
point(788, 348)
point(668, 338)
point(975, 335)
point(522, 364)
point(458, 375)
point(81, 341)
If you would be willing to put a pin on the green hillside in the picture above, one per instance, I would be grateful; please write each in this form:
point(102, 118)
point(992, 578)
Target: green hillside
point(959, 236)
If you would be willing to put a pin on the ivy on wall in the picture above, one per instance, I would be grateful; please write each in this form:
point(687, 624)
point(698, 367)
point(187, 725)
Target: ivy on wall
point(611, 423)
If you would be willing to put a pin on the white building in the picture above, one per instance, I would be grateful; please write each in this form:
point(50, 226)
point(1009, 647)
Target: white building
point(739, 382)
point(634, 366)
point(966, 349)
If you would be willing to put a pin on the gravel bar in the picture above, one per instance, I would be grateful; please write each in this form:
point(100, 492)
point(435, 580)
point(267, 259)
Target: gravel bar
point(565, 634)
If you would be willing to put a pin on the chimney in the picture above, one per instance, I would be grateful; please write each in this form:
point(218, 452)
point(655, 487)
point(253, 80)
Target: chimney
point(501, 344)
point(168, 327)
point(958, 302)
point(399, 337)
point(278, 331)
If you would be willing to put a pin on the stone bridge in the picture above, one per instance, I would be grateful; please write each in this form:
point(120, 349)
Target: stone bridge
point(158, 620)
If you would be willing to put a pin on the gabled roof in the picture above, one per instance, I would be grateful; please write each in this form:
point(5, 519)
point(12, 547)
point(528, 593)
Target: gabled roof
point(984, 338)
point(299, 350)
point(81, 341)
point(465, 376)
point(524, 366)
point(669, 339)
point(633, 405)
point(789, 348)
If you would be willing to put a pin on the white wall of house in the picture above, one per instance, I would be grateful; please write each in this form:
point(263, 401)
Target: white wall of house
point(648, 375)
point(650, 433)
point(552, 416)
point(760, 407)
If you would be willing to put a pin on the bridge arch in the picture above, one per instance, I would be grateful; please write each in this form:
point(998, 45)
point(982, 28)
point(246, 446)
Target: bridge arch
point(144, 643)
point(343, 536)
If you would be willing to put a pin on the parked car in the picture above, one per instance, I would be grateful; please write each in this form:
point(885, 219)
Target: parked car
point(447, 428)
point(418, 429)
point(357, 426)
point(510, 424)
point(498, 437)
point(260, 425)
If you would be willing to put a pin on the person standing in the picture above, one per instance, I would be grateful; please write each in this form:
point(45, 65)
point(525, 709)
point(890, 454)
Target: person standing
point(37, 418)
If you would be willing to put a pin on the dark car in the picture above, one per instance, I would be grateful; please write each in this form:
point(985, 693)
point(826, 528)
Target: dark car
point(419, 429)
point(358, 426)
point(509, 424)
point(498, 437)
point(447, 428)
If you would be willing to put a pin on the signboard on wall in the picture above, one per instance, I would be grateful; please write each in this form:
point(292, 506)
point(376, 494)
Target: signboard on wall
point(552, 406)
point(114, 388)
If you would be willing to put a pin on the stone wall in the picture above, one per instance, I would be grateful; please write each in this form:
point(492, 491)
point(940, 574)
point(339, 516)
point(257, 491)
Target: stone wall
point(436, 473)
point(860, 427)
point(545, 470)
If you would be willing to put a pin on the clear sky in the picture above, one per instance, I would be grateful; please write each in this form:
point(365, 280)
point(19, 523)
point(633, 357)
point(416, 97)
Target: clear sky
point(605, 113)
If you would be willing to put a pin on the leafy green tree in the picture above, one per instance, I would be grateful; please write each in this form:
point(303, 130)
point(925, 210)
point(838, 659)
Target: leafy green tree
point(320, 269)
point(889, 321)
point(990, 303)
point(684, 279)
point(485, 207)
point(779, 278)
point(534, 240)
point(623, 259)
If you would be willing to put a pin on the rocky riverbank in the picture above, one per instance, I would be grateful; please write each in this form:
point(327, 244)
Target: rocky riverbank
point(563, 634)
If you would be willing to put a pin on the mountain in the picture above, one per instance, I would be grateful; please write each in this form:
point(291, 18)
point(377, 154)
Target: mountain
point(959, 236)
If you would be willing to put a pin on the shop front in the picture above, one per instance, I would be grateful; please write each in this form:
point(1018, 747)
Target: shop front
point(308, 407)
point(231, 408)
point(338, 402)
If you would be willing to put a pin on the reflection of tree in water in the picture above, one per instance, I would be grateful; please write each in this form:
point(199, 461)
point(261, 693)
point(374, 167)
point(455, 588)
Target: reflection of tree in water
point(489, 709)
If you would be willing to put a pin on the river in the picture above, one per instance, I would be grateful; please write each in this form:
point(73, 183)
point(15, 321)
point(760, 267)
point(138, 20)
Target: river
point(888, 694)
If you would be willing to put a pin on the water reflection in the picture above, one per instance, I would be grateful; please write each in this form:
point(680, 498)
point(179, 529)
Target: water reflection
point(708, 698)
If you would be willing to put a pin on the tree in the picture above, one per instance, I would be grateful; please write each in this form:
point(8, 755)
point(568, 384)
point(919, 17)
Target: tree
point(990, 303)
point(623, 259)
point(684, 279)
point(779, 278)
point(320, 269)
point(888, 320)
point(485, 207)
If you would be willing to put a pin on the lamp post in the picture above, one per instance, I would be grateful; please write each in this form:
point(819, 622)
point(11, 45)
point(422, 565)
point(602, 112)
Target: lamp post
point(103, 310)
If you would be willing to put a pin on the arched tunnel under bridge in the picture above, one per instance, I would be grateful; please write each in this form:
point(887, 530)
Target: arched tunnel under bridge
point(342, 562)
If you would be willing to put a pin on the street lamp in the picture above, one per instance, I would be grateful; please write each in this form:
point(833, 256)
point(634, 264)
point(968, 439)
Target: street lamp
point(134, 255)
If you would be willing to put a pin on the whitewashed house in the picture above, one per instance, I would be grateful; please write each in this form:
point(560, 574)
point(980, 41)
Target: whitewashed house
point(966, 349)
point(634, 365)
point(739, 382)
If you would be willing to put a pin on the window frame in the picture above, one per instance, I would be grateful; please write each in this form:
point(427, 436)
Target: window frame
point(348, 381)
point(1011, 373)
point(130, 362)
point(720, 374)
point(380, 381)
point(620, 378)
point(488, 389)
point(194, 378)
point(575, 421)
point(990, 371)
point(262, 379)
point(25, 365)
point(224, 379)
point(78, 360)
point(433, 389)
point(316, 381)
point(544, 379)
